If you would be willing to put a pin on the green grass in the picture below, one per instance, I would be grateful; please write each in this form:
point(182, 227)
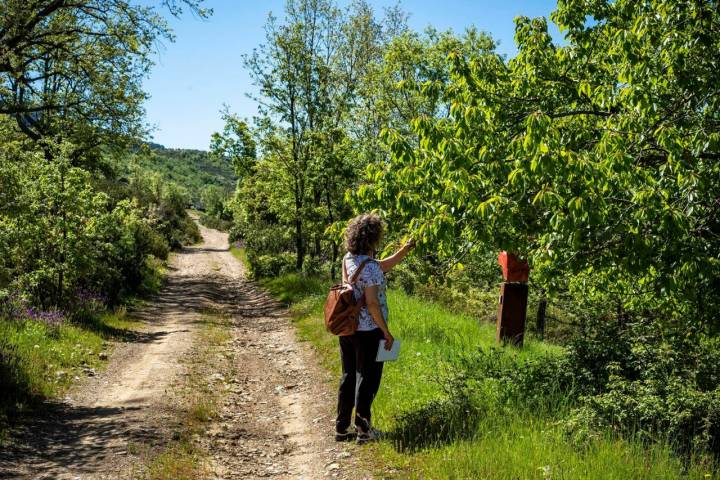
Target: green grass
point(179, 461)
point(506, 442)
point(201, 400)
point(155, 270)
point(41, 362)
point(527, 447)
point(294, 288)
point(240, 254)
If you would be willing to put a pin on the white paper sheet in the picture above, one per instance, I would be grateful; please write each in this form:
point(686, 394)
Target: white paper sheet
point(388, 355)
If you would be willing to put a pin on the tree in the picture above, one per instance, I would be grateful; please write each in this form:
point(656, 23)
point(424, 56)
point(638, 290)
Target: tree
point(289, 73)
point(235, 145)
point(409, 83)
point(308, 75)
point(70, 80)
point(598, 160)
point(75, 67)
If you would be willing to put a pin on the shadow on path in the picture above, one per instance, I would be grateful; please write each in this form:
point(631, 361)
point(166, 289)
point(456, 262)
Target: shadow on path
point(189, 296)
point(63, 436)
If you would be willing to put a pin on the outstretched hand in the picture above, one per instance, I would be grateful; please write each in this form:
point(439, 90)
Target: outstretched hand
point(388, 263)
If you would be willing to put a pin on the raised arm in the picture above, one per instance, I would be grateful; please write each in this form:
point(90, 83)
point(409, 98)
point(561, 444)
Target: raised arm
point(388, 263)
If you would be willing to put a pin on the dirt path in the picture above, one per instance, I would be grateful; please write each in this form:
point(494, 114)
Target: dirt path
point(275, 412)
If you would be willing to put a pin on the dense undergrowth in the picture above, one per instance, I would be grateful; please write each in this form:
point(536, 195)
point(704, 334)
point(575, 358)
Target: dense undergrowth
point(75, 244)
point(87, 218)
point(458, 406)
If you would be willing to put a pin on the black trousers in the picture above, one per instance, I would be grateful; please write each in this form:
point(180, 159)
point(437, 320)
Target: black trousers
point(360, 379)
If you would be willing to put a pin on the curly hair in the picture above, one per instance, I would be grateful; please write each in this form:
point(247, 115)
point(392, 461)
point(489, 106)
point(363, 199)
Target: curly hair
point(363, 233)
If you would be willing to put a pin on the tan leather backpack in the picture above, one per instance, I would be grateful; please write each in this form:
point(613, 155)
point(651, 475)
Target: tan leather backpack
point(341, 308)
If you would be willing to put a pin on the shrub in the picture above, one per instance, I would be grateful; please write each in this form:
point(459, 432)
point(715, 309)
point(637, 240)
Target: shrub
point(265, 238)
point(659, 382)
point(151, 242)
point(262, 266)
point(600, 344)
point(314, 267)
point(644, 379)
point(65, 233)
point(494, 376)
point(653, 410)
point(404, 276)
point(152, 276)
point(216, 223)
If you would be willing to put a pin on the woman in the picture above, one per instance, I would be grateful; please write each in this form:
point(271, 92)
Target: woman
point(361, 373)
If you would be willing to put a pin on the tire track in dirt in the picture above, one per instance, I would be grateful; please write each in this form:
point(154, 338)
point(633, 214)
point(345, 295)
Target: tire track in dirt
point(276, 419)
point(275, 415)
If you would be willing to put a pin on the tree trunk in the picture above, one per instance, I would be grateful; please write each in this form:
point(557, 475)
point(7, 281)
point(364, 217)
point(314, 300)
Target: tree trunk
point(299, 243)
point(540, 319)
point(621, 316)
point(331, 220)
point(318, 249)
point(333, 267)
point(61, 271)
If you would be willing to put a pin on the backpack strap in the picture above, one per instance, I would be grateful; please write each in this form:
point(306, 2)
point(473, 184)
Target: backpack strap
point(357, 272)
point(361, 302)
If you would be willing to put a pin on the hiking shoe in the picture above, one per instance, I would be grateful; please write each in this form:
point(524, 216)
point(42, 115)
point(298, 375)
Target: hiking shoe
point(372, 435)
point(346, 436)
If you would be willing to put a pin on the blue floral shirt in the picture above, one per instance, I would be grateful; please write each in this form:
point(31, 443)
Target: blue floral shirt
point(371, 275)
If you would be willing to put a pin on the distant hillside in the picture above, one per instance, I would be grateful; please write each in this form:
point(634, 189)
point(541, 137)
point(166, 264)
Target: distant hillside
point(192, 169)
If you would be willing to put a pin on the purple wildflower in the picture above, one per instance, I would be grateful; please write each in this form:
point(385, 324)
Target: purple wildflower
point(88, 296)
point(52, 318)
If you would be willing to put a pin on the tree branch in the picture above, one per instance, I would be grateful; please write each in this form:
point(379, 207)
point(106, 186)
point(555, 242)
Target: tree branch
point(598, 113)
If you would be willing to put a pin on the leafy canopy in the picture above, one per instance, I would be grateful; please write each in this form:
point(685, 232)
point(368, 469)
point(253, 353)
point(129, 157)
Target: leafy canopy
point(602, 155)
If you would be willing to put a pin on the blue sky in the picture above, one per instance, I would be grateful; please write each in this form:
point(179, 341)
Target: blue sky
point(203, 69)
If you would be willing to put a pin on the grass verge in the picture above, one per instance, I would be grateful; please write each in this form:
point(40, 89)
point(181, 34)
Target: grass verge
point(39, 361)
point(491, 440)
point(240, 254)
